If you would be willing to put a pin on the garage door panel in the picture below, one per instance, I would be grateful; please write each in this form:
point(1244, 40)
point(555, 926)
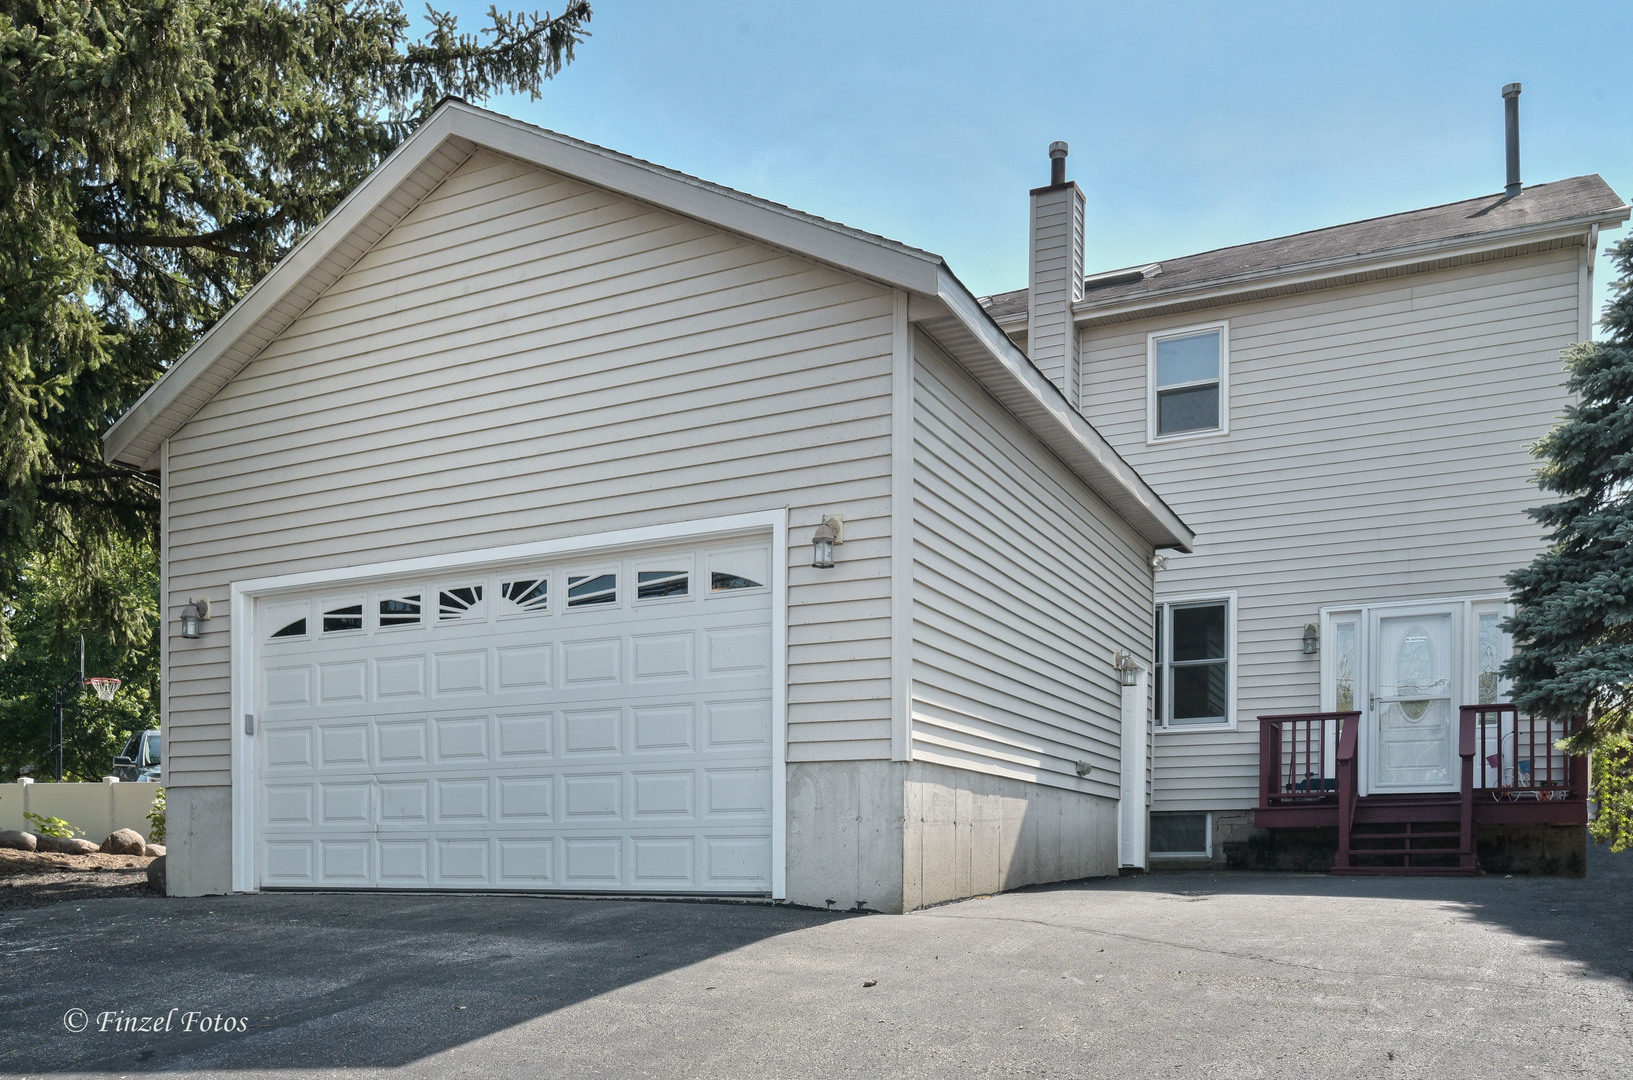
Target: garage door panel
point(399, 677)
point(345, 861)
point(527, 798)
point(526, 668)
point(733, 725)
point(527, 863)
point(342, 682)
point(620, 747)
point(526, 735)
point(404, 864)
point(403, 743)
point(663, 728)
point(669, 861)
point(461, 740)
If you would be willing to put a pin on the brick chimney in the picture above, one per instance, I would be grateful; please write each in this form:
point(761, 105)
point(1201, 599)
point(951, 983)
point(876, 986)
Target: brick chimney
point(1055, 275)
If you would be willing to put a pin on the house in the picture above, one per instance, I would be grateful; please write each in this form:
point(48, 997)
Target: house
point(1344, 417)
point(551, 520)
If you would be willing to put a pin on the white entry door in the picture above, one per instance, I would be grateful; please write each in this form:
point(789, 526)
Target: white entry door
point(1412, 715)
point(598, 724)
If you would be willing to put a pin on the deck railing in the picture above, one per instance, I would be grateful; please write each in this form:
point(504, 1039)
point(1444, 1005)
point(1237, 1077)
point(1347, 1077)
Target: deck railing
point(1298, 757)
point(1517, 757)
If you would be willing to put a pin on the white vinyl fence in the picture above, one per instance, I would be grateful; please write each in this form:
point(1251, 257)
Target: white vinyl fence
point(94, 810)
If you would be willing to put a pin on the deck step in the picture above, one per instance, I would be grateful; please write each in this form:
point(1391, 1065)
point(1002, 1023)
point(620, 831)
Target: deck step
point(1404, 871)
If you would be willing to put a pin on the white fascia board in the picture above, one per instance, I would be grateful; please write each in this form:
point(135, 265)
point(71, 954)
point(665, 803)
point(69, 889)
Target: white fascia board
point(1033, 397)
point(886, 261)
point(266, 293)
point(1281, 277)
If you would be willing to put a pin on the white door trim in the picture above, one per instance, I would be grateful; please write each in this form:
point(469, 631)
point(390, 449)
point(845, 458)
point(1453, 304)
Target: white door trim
point(241, 623)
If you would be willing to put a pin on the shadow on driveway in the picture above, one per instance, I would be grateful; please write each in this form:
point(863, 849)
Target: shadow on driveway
point(333, 980)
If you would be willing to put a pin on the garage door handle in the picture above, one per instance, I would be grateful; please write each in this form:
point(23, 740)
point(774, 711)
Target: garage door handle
point(249, 723)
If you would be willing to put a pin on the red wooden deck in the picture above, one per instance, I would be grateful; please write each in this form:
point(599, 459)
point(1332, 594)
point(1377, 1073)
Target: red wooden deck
point(1513, 773)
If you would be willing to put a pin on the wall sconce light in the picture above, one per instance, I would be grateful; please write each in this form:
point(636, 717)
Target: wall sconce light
point(1128, 670)
point(1312, 639)
point(195, 612)
point(829, 533)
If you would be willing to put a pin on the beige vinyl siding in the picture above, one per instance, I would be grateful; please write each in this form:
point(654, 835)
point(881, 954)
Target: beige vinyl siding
point(1377, 452)
point(1056, 253)
point(526, 357)
point(1024, 585)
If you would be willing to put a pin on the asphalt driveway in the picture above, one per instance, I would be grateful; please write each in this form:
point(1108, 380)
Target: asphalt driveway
point(1171, 975)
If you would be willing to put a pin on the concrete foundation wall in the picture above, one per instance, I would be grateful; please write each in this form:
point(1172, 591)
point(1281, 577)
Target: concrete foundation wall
point(198, 828)
point(968, 834)
point(845, 834)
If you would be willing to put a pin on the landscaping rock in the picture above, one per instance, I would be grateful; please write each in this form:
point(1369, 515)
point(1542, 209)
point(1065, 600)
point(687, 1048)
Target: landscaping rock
point(123, 842)
point(18, 840)
point(155, 874)
point(65, 845)
point(154, 851)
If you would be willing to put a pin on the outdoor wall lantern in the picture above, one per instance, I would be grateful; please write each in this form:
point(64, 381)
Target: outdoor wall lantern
point(1312, 639)
point(1128, 670)
point(829, 533)
point(195, 612)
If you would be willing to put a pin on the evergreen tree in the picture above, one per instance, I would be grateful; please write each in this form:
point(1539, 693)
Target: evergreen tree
point(1573, 624)
point(157, 157)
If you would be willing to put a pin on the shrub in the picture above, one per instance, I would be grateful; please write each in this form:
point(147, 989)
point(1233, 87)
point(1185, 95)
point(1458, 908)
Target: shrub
point(155, 819)
point(50, 826)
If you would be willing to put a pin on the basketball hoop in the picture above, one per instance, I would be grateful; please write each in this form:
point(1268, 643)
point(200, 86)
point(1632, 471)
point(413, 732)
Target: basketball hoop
point(104, 687)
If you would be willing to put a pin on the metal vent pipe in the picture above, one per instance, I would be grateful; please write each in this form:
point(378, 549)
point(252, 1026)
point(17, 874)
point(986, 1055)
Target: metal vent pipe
point(1511, 122)
point(1057, 163)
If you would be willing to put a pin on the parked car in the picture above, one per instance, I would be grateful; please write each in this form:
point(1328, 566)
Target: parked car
point(141, 759)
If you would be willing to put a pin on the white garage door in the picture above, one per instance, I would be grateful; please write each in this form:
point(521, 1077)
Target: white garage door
point(594, 725)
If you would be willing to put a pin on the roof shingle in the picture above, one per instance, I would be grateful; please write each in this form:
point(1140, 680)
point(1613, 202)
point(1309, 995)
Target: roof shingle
point(1579, 198)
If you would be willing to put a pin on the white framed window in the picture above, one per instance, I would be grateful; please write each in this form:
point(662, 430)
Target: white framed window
point(1188, 382)
point(592, 588)
point(341, 615)
point(1195, 665)
point(1181, 834)
point(663, 580)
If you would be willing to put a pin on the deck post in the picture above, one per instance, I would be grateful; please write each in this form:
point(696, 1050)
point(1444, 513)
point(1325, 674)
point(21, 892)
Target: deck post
point(1348, 730)
point(1465, 749)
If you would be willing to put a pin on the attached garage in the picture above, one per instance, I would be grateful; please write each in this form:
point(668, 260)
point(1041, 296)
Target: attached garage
point(572, 525)
point(600, 722)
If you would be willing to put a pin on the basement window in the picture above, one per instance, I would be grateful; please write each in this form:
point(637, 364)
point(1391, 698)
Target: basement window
point(1188, 387)
point(1177, 835)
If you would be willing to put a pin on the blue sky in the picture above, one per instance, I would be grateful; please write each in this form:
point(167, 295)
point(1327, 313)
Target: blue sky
point(1192, 125)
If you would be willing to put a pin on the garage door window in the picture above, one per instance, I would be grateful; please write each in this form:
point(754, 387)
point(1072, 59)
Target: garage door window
point(589, 590)
point(294, 629)
point(342, 617)
point(459, 603)
point(662, 584)
point(399, 611)
point(525, 596)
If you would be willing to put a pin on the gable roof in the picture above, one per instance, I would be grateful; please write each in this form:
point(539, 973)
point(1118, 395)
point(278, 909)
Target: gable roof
point(1541, 208)
point(938, 301)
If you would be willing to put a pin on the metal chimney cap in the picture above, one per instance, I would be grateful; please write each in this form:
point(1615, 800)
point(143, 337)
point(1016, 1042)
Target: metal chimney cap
point(1511, 90)
point(1057, 149)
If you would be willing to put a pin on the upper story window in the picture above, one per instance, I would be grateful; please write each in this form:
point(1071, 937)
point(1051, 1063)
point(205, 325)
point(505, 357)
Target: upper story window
point(1188, 381)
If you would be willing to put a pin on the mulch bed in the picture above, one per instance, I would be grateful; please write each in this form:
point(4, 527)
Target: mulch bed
point(31, 879)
